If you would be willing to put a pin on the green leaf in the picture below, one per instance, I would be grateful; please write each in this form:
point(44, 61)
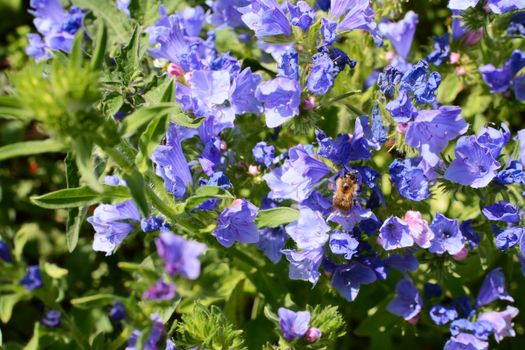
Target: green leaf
point(276, 216)
point(149, 140)
point(75, 216)
point(207, 192)
point(128, 59)
point(77, 56)
point(27, 148)
point(145, 114)
point(85, 166)
point(135, 183)
point(117, 22)
point(144, 11)
point(81, 196)
point(35, 339)
point(449, 89)
point(55, 271)
point(101, 43)
point(93, 300)
point(7, 303)
point(10, 106)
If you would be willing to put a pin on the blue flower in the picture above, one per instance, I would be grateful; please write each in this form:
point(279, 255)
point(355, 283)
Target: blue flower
point(180, 256)
point(123, 5)
point(509, 237)
point(296, 178)
point(280, 98)
point(117, 312)
point(421, 82)
point(301, 15)
point(356, 14)
point(465, 341)
point(432, 290)
point(493, 288)
point(401, 108)
point(494, 139)
point(355, 216)
point(480, 329)
point(347, 279)
point(501, 79)
point(403, 263)
point(271, 242)
point(501, 322)
point(387, 81)
point(517, 25)
point(5, 254)
point(225, 13)
point(462, 4)
point(512, 174)
point(502, 211)
point(51, 319)
point(113, 222)
point(468, 232)
point(474, 165)
point(33, 278)
point(338, 151)
point(448, 236)
point(410, 179)
point(156, 334)
point(441, 315)
point(153, 223)
point(161, 290)
point(210, 156)
point(242, 96)
point(264, 154)
point(309, 231)
point(289, 65)
point(293, 324)
point(441, 50)
point(394, 234)
point(266, 18)
point(501, 6)
point(57, 27)
point(321, 77)
point(316, 201)
point(433, 129)
point(342, 243)
point(328, 29)
point(408, 302)
point(304, 265)
point(401, 33)
point(237, 223)
point(339, 58)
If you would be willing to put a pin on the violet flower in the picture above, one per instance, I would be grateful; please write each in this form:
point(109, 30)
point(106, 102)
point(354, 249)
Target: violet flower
point(237, 223)
point(180, 256)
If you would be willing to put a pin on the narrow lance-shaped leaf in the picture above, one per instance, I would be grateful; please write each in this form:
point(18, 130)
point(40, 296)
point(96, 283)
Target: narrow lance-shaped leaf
point(276, 216)
point(85, 166)
point(136, 185)
point(81, 196)
point(27, 148)
point(100, 47)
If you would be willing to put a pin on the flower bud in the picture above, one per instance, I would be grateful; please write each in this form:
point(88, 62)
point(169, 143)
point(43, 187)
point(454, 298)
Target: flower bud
point(312, 334)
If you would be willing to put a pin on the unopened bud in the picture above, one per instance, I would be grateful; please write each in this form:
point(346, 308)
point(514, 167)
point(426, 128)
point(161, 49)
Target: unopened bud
point(174, 71)
point(454, 57)
point(309, 103)
point(312, 334)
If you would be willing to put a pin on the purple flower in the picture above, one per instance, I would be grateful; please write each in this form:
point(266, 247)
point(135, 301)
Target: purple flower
point(410, 179)
point(226, 13)
point(448, 237)
point(210, 157)
point(432, 290)
point(512, 174)
point(493, 288)
point(5, 254)
point(401, 109)
point(193, 20)
point(502, 211)
point(462, 4)
point(441, 50)
point(271, 242)
point(338, 151)
point(289, 65)
point(403, 263)
point(509, 237)
point(501, 322)
point(408, 302)
point(356, 215)
point(295, 179)
point(57, 27)
point(394, 234)
point(123, 5)
point(501, 6)
point(387, 81)
point(480, 329)
point(441, 315)
point(293, 324)
point(160, 291)
point(304, 265)
point(421, 82)
point(494, 139)
point(117, 312)
point(418, 228)
point(51, 319)
point(237, 223)
point(468, 232)
point(153, 223)
point(280, 98)
point(328, 29)
point(171, 164)
point(309, 231)
point(347, 279)
point(180, 256)
point(433, 129)
point(266, 18)
point(357, 14)
point(264, 154)
point(474, 165)
point(242, 92)
point(342, 243)
point(113, 222)
point(33, 278)
point(500, 79)
point(301, 15)
point(401, 33)
point(321, 77)
point(465, 341)
point(156, 334)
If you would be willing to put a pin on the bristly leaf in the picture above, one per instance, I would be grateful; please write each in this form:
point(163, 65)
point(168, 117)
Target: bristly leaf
point(75, 216)
point(83, 149)
point(136, 184)
point(26, 148)
point(81, 196)
point(101, 42)
point(129, 58)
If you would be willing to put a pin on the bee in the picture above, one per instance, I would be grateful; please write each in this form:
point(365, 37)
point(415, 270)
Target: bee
point(344, 194)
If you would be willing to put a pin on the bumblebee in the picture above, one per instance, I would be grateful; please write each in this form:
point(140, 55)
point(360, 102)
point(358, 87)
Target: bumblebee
point(344, 194)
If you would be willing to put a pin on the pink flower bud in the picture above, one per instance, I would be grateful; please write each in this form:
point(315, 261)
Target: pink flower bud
point(223, 146)
point(454, 57)
point(413, 321)
point(312, 334)
point(174, 71)
point(461, 71)
point(253, 170)
point(461, 255)
point(402, 128)
point(390, 56)
point(473, 37)
point(309, 103)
